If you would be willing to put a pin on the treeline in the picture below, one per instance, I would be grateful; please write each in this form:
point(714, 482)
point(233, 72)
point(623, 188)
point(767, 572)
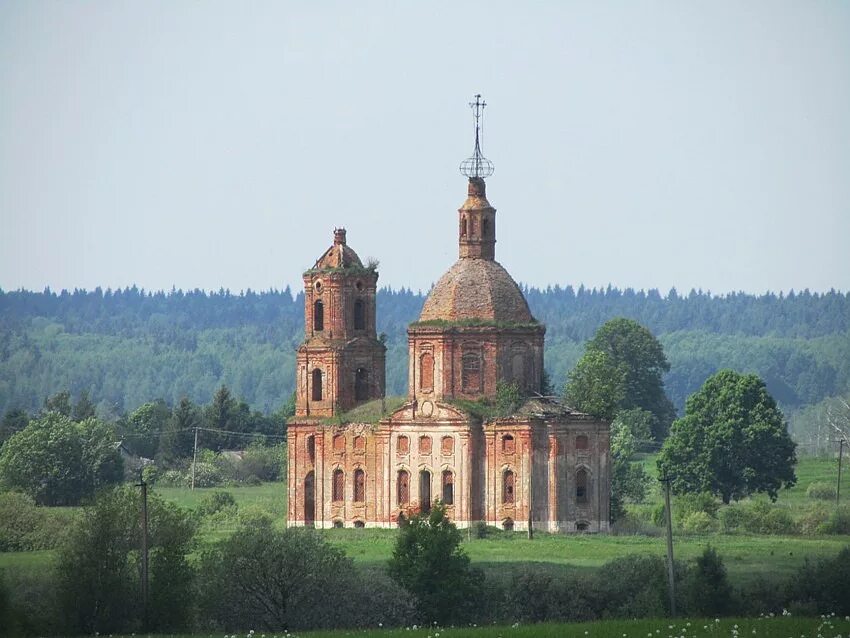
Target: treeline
point(130, 346)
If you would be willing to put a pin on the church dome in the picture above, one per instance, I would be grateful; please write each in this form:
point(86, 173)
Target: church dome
point(476, 289)
point(340, 255)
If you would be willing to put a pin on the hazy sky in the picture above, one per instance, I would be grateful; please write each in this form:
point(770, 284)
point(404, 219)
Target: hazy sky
point(217, 144)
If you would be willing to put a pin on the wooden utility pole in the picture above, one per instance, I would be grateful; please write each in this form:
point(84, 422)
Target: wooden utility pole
point(194, 456)
point(838, 485)
point(669, 520)
point(144, 526)
point(530, 494)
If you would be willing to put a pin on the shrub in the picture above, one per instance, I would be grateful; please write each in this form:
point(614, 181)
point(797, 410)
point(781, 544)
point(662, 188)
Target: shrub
point(631, 524)
point(815, 515)
point(698, 523)
point(261, 463)
point(151, 473)
point(216, 502)
point(635, 586)
point(707, 588)
point(837, 523)
point(823, 586)
point(821, 491)
point(757, 517)
point(206, 475)
point(172, 478)
point(687, 504)
point(26, 527)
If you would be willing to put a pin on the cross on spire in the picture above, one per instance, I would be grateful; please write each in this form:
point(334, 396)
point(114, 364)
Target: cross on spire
point(477, 165)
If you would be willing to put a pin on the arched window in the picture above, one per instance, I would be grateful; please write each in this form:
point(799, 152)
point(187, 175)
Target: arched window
point(447, 446)
point(581, 486)
point(471, 372)
point(338, 485)
point(361, 384)
point(339, 444)
point(485, 227)
point(359, 315)
point(426, 371)
point(581, 442)
point(311, 448)
point(425, 491)
point(360, 444)
point(403, 446)
point(425, 444)
point(448, 487)
point(582, 526)
point(508, 487)
point(508, 525)
point(359, 524)
point(359, 486)
point(309, 498)
point(317, 385)
point(318, 316)
point(403, 487)
point(463, 227)
point(518, 369)
point(338, 524)
point(508, 444)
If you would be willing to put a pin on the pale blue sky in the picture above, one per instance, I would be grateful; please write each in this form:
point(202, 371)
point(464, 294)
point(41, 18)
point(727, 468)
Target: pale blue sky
point(209, 144)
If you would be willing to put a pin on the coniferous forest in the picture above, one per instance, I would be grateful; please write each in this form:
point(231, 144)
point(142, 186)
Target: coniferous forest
point(126, 347)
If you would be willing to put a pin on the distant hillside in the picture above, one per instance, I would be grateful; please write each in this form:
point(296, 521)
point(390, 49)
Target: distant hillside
point(130, 346)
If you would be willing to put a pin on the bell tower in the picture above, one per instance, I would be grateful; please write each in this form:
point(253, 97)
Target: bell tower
point(341, 362)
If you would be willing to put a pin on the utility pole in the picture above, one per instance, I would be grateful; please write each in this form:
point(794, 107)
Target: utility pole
point(144, 525)
point(530, 494)
point(669, 520)
point(838, 485)
point(194, 456)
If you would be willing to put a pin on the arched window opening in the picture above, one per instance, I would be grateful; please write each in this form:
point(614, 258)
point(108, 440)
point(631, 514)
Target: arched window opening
point(403, 446)
point(318, 316)
point(309, 498)
point(518, 369)
point(425, 491)
point(361, 384)
point(581, 442)
point(360, 444)
point(316, 383)
point(582, 526)
point(338, 486)
point(508, 487)
point(471, 372)
point(359, 524)
point(311, 448)
point(508, 444)
point(403, 487)
point(508, 525)
point(463, 227)
point(359, 315)
point(485, 227)
point(448, 487)
point(359, 486)
point(426, 372)
point(581, 486)
point(338, 524)
point(447, 445)
point(339, 444)
point(425, 444)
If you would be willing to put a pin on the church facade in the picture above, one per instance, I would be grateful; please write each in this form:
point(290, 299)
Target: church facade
point(546, 465)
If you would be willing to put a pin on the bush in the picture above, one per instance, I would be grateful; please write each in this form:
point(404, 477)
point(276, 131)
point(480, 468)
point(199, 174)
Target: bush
point(172, 478)
point(261, 463)
point(707, 588)
point(823, 586)
point(815, 515)
point(821, 491)
point(635, 586)
point(698, 523)
point(631, 524)
point(25, 527)
point(837, 523)
point(757, 517)
point(216, 502)
point(207, 474)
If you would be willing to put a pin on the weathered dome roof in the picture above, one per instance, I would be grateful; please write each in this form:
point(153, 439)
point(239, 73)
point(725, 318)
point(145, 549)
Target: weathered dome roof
point(339, 255)
point(476, 289)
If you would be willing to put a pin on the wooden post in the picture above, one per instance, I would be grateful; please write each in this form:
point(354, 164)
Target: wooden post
point(144, 543)
point(194, 457)
point(669, 519)
point(838, 485)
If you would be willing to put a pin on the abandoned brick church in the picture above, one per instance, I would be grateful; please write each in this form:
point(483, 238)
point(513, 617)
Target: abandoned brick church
point(546, 465)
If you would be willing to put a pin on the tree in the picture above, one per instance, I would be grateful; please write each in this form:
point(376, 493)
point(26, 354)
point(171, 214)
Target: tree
point(707, 588)
point(429, 563)
point(178, 440)
point(629, 481)
point(98, 568)
point(59, 402)
point(275, 579)
point(732, 441)
point(13, 421)
point(144, 427)
point(84, 408)
point(622, 368)
point(59, 462)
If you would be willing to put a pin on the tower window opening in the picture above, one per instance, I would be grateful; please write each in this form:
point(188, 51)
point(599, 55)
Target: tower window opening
point(463, 227)
point(311, 448)
point(425, 491)
point(359, 486)
point(318, 316)
point(359, 315)
point(309, 498)
point(581, 442)
point(317, 385)
point(508, 444)
point(508, 484)
point(581, 486)
point(338, 485)
point(485, 227)
point(426, 371)
point(403, 487)
point(361, 384)
point(471, 372)
point(448, 487)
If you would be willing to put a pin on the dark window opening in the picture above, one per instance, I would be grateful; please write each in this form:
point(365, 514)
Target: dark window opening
point(338, 486)
point(581, 442)
point(425, 491)
point(359, 524)
point(359, 315)
point(582, 527)
point(311, 448)
point(338, 525)
point(508, 487)
point(463, 227)
point(317, 385)
point(508, 525)
point(485, 227)
point(508, 444)
point(448, 488)
point(309, 498)
point(403, 487)
point(471, 372)
point(359, 486)
point(318, 316)
point(361, 384)
point(581, 486)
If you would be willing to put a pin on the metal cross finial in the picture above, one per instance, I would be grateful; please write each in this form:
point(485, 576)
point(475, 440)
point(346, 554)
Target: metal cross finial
point(477, 165)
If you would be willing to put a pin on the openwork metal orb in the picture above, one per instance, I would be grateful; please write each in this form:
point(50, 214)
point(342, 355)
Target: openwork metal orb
point(476, 166)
